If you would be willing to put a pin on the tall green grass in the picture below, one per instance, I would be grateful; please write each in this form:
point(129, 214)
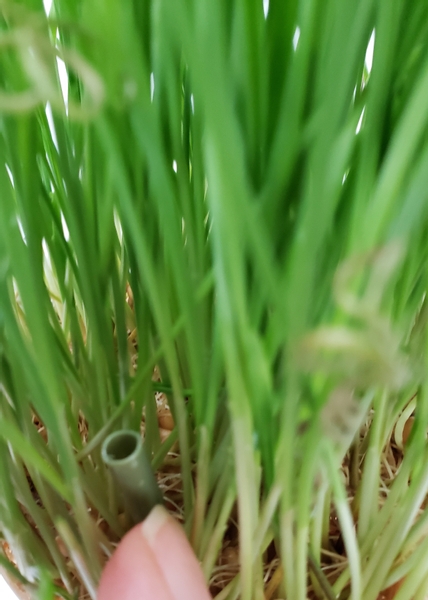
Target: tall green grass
point(259, 190)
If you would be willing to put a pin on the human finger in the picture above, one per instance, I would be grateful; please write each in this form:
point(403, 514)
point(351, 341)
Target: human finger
point(133, 573)
point(175, 556)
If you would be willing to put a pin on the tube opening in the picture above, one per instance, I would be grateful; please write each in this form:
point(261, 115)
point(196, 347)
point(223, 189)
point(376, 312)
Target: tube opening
point(121, 445)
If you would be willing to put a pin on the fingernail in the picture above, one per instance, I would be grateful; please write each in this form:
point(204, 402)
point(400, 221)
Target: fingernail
point(154, 522)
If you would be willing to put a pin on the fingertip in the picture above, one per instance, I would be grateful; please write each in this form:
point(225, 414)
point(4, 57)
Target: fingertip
point(133, 572)
point(175, 556)
point(154, 560)
point(151, 526)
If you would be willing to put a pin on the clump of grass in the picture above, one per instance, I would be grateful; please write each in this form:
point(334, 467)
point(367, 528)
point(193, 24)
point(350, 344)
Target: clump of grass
point(231, 194)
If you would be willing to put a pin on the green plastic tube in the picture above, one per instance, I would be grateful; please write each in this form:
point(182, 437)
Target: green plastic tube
point(124, 454)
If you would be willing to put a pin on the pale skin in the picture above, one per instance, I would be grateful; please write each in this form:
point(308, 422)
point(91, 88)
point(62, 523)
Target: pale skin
point(154, 561)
